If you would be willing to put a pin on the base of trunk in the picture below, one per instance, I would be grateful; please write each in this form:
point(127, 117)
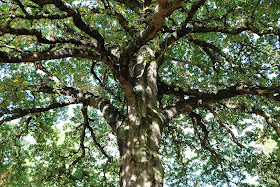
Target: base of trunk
point(139, 147)
point(147, 172)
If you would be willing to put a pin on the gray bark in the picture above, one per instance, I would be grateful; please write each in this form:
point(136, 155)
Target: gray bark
point(140, 134)
point(139, 142)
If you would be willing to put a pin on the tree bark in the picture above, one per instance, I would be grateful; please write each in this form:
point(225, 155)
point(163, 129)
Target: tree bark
point(139, 143)
point(140, 134)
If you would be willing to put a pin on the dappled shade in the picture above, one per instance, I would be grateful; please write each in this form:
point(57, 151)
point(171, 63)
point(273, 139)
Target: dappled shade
point(139, 93)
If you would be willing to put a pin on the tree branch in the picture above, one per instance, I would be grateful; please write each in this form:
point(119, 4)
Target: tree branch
point(82, 146)
point(212, 57)
point(48, 55)
point(111, 114)
point(42, 39)
point(86, 122)
point(163, 88)
point(202, 126)
point(203, 141)
point(195, 6)
point(202, 99)
point(201, 66)
point(183, 31)
point(224, 125)
point(42, 16)
point(40, 66)
point(134, 5)
point(233, 31)
point(18, 113)
point(114, 14)
point(25, 130)
point(164, 9)
point(12, 47)
point(102, 82)
point(98, 144)
point(124, 23)
point(77, 19)
point(253, 110)
point(204, 44)
point(21, 7)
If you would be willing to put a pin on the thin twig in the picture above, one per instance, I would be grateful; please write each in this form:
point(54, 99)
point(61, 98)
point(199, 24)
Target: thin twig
point(82, 146)
point(86, 119)
point(25, 130)
point(101, 82)
point(39, 65)
point(206, 133)
point(224, 125)
point(201, 66)
point(253, 110)
point(11, 47)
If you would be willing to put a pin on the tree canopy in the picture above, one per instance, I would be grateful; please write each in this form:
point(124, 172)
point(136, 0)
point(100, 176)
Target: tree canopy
point(148, 93)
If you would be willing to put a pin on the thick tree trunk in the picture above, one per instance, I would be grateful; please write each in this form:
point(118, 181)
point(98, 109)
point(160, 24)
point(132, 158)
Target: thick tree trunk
point(139, 142)
point(140, 134)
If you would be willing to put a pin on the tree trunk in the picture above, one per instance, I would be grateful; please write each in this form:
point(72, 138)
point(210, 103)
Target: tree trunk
point(139, 146)
point(140, 134)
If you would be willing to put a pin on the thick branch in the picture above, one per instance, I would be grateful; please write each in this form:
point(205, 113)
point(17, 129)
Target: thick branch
point(42, 39)
point(43, 16)
point(196, 5)
point(203, 99)
point(48, 55)
point(18, 113)
point(111, 114)
point(162, 10)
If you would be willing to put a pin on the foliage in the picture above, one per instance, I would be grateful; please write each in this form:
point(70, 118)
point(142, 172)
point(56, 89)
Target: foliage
point(60, 59)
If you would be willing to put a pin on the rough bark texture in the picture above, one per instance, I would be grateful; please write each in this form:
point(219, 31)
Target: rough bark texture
point(139, 142)
point(140, 134)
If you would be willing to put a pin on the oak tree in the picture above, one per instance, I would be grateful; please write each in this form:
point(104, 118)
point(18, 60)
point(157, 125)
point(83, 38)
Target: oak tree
point(184, 89)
